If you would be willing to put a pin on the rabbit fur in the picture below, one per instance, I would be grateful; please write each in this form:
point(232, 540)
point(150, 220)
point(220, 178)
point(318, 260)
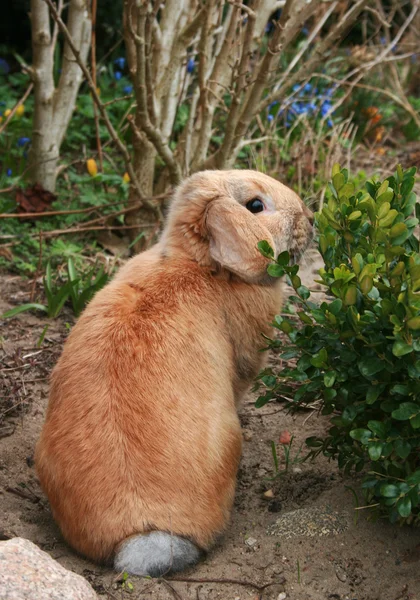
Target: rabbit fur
point(141, 443)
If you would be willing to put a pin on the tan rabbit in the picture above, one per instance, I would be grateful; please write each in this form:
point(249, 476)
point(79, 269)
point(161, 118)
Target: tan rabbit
point(139, 452)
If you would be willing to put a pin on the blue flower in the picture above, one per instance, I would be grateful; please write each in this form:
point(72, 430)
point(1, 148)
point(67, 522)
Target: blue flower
point(4, 67)
point(190, 65)
point(382, 40)
point(270, 118)
point(117, 75)
point(296, 87)
point(128, 89)
point(269, 27)
point(330, 123)
point(274, 103)
point(9, 172)
point(305, 31)
point(22, 141)
point(312, 107)
point(298, 108)
point(307, 87)
point(120, 62)
point(325, 108)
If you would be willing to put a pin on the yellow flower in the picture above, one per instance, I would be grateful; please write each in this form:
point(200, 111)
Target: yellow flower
point(126, 178)
point(1, 119)
point(92, 167)
point(20, 110)
point(7, 112)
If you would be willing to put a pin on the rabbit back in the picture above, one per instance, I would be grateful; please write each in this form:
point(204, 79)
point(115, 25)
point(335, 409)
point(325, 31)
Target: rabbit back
point(141, 431)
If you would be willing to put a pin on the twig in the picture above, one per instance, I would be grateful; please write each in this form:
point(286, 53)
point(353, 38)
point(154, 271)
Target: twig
point(38, 269)
point(14, 109)
point(243, 582)
point(153, 133)
point(18, 492)
point(55, 232)
point(95, 108)
point(171, 587)
point(122, 148)
point(53, 213)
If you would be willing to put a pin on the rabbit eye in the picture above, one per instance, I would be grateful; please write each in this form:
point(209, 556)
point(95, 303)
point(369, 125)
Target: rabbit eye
point(255, 205)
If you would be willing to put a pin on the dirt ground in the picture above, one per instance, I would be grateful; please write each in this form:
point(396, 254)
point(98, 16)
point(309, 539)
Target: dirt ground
point(320, 549)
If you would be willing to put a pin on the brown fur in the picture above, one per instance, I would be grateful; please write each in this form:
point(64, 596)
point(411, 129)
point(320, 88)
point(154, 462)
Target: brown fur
point(141, 431)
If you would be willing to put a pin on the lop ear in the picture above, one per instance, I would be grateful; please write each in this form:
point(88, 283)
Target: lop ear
point(234, 234)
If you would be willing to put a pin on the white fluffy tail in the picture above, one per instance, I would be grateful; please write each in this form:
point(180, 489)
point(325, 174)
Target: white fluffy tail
point(155, 554)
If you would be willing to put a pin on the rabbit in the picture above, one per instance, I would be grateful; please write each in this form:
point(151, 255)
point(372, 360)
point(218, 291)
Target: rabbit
point(140, 448)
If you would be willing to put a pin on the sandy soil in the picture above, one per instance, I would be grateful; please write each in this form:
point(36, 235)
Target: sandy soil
point(320, 549)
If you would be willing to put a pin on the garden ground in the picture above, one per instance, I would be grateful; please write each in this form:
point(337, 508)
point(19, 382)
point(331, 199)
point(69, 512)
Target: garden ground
point(297, 537)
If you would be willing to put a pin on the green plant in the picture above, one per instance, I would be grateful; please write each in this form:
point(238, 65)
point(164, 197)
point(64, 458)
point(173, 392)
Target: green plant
point(79, 288)
point(84, 286)
point(358, 353)
point(285, 441)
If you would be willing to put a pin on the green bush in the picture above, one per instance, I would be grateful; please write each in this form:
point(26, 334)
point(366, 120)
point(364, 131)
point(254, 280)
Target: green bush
point(358, 354)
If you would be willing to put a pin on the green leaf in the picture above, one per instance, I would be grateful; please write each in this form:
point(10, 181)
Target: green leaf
point(275, 270)
point(335, 307)
point(303, 292)
point(336, 169)
point(406, 411)
point(404, 507)
point(329, 379)
point(330, 394)
point(373, 394)
point(375, 450)
point(361, 435)
point(366, 284)
point(355, 215)
point(378, 428)
point(402, 448)
point(414, 478)
point(401, 349)
point(22, 308)
point(338, 181)
point(319, 358)
point(414, 323)
point(283, 259)
point(265, 249)
point(397, 229)
point(370, 366)
point(389, 490)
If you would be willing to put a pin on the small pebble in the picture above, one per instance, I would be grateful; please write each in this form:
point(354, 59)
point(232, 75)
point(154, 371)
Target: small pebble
point(250, 541)
point(341, 575)
point(247, 435)
point(269, 494)
point(282, 596)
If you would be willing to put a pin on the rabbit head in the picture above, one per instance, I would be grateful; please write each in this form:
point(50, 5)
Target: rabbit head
point(218, 217)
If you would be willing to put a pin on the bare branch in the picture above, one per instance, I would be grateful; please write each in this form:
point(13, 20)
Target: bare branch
point(102, 110)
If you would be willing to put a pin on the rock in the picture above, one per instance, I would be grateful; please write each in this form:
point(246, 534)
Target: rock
point(341, 574)
point(247, 435)
point(26, 573)
point(282, 596)
point(269, 495)
point(250, 541)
